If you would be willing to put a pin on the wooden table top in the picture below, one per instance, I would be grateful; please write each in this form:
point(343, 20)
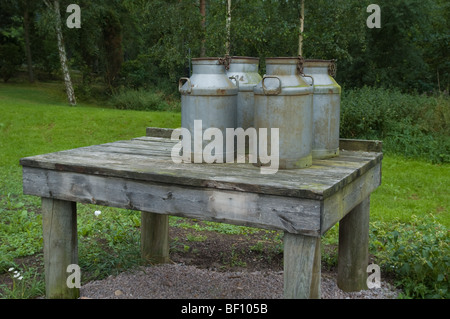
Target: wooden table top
point(148, 159)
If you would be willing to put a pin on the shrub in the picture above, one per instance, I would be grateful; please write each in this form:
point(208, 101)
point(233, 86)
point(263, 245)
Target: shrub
point(141, 100)
point(411, 125)
point(417, 253)
point(138, 73)
point(143, 73)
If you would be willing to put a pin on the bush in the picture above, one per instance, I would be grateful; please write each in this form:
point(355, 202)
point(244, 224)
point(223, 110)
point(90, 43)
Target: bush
point(138, 73)
point(141, 100)
point(143, 73)
point(417, 253)
point(411, 125)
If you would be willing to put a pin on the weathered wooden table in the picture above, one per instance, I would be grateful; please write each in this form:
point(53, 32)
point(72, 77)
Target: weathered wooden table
point(139, 174)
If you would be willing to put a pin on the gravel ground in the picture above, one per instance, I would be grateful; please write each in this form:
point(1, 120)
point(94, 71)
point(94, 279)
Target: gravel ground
point(179, 281)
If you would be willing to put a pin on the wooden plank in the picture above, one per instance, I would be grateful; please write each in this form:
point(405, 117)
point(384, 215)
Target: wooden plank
point(361, 145)
point(154, 238)
point(321, 180)
point(344, 144)
point(345, 159)
point(188, 174)
point(293, 215)
point(353, 252)
point(301, 267)
point(340, 203)
point(117, 150)
point(159, 132)
point(148, 145)
point(59, 224)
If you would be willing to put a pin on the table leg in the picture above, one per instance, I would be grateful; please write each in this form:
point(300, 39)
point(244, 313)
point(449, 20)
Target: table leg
point(301, 267)
point(353, 252)
point(59, 223)
point(155, 237)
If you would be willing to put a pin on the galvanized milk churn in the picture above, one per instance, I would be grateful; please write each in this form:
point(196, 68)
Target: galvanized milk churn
point(283, 99)
point(326, 107)
point(244, 70)
point(210, 96)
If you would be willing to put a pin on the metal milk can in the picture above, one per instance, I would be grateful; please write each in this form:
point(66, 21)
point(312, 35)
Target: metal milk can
point(210, 96)
point(283, 99)
point(326, 107)
point(244, 70)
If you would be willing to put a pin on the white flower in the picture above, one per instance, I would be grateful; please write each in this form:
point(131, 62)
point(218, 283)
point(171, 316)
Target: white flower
point(97, 213)
point(11, 269)
point(20, 278)
point(17, 275)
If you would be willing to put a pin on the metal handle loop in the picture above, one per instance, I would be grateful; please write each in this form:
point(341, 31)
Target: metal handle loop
point(271, 92)
point(236, 78)
point(309, 76)
point(332, 68)
point(180, 84)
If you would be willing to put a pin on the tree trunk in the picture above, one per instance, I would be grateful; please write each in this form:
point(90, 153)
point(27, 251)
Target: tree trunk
point(302, 21)
point(62, 52)
point(112, 42)
point(227, 46)
point(26, 23)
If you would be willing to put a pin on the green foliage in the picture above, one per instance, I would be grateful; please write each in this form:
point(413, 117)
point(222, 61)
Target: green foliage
point(27, 284)
point(140, 100)
point(11, 57)
point(169, 29)
point(418, 253)
point(333, 34)
point(108, 242)
point(409, 52)
point(412, 125)
point(139, 73)
point(143, 73)
point(20, 231)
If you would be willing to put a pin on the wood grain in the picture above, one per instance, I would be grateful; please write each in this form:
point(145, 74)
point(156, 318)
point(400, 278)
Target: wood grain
point(353, 252)
point(59, 222)
point(234, 207)
point(154, 238)
point(148, 159)
point(301, 267)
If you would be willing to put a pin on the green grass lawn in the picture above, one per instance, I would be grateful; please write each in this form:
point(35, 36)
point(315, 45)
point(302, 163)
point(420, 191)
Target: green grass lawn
point(35, 119)
point(411, 187)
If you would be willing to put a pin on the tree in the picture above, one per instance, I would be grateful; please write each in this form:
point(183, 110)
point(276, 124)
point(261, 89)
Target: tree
point(54, 5)
point(228, 28)
point(144, 43)
point(27, 8)
point(26, 22)
point(23, 10)
point(10, 60)
point(302, 22)
point(112, 43)
point(394, 55)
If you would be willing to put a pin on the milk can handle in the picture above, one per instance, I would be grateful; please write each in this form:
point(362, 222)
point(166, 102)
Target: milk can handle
point(236, 78)
point(271, 92)
point(180, 84)
point(309, 76)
